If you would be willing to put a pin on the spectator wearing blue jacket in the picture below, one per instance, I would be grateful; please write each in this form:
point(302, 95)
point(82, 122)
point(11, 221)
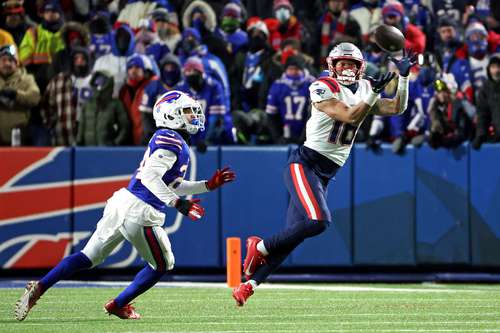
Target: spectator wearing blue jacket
point(230, 31)
point(209, 92)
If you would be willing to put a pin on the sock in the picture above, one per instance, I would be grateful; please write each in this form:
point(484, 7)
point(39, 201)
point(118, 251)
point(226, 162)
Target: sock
point(144, 280)
point(253, 283)
point(262, 248)
point(67, 267)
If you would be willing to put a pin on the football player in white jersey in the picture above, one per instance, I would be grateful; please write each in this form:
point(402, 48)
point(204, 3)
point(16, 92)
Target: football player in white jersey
point(137, 213)
point(340, 103)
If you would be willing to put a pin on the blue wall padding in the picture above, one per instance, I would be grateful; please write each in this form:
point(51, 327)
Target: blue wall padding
point(384, 207)
point(442, 214)
point(257, 202)
point(485, 205)
point(333, 247)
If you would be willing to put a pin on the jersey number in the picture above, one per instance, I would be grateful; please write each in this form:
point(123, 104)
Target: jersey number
point(342, 133)
point(291, 101)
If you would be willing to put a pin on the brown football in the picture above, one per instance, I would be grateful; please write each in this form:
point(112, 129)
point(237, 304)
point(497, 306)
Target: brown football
point(389, 38)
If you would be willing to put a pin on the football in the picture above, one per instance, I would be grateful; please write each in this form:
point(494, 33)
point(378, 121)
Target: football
point(389, 38)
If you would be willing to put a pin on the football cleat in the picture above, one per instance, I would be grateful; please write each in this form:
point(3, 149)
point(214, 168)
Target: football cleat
point(28, 300)
point(242, 293)
point(125, 312)
point(253, 258)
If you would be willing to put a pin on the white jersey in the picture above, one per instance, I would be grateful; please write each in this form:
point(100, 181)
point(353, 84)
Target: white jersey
point(325, 135)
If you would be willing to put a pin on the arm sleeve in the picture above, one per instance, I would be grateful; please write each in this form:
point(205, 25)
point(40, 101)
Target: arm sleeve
point(191, 187)
point(324, 89)
point(155, 167)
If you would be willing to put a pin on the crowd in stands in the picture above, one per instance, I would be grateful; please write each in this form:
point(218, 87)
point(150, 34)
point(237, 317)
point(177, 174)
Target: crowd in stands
point(88, 73)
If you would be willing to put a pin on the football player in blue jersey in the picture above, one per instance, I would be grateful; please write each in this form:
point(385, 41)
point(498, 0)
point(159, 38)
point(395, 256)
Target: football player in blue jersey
point(137, 213)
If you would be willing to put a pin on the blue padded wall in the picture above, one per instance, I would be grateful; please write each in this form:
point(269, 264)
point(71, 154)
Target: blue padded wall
point(442, 214)
point(257, 202)
point(485, 205)
point(384, 208)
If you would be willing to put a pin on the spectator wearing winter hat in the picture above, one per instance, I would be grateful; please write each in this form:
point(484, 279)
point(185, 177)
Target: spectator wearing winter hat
point(451, 55)
point(449, 123)
point(284, 24)
point(61, 101)
point(336, 25)
point(191, 46)
point(18, 93)
point(41, 42)
point(170, 69)
point(74, 35)
point(250, 73)
point(288, 102)
point(16, 22)
point(122, 47)
point(140, 88)
point(476, 40)
point(393, 14)
point(488, 106)
point(101, 35)
point(210, 94)
point(229, 29)
point(199, 15)
point(167, 26)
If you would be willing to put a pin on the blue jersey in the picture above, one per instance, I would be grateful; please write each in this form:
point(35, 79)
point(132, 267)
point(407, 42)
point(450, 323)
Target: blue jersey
point(100, 44)
point(168, 140)
point(290, 99)
point(152, 91)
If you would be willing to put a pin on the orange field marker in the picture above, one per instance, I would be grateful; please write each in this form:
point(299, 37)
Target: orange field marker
point(233, 261)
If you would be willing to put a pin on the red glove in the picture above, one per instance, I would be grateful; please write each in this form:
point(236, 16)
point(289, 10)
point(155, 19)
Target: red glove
point(190, 208)
point(220, 177)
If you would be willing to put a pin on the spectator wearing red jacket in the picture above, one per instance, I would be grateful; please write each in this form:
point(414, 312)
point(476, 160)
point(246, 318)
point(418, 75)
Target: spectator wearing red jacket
point(393, 14)
point(284, 24)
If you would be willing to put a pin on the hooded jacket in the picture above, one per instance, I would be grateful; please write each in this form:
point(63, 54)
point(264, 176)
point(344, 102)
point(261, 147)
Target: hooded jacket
point(488, 104)
point(104, 121)
point(62, 59)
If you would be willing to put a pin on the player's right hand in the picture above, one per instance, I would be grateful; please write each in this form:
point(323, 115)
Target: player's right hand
point(378, 84)
point(190, 208)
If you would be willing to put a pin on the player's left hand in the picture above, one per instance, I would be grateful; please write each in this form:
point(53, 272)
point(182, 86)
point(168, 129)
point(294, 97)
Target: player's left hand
point(220, 177)
point(404, 64)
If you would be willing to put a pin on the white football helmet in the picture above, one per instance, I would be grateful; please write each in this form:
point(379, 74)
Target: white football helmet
point(178, 110)
point(347, 51)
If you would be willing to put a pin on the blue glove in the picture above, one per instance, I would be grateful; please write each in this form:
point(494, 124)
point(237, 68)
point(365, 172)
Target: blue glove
point(404, 64)
point(379, 83)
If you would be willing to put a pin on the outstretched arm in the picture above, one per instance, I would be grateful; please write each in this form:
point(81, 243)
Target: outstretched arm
point(354, 115)
point(398, 105)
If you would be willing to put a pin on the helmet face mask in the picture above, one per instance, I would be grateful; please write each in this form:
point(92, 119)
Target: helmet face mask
point(177, 110)
point(346, 75)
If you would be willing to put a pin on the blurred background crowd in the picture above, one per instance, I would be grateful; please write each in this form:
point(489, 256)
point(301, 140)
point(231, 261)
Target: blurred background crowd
point(87, 73)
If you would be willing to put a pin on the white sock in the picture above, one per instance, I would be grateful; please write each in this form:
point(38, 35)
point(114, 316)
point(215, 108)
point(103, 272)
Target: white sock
point(253, 283)
point(262, 248)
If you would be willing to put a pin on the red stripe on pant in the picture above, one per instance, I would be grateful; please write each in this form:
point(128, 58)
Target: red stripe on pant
point(298, 190)
point(155, 248)
point(310, 192)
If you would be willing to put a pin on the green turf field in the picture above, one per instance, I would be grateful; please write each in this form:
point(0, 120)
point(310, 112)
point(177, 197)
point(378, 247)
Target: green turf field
point(273, 308)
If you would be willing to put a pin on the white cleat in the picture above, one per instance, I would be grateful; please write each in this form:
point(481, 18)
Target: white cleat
point(28, 300)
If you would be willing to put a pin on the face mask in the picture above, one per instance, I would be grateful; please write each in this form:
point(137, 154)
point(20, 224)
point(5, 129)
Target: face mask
point(296, 78)
point(170, 78)
point(188, 45)
point(257, 43)
point(477, 48)
point(229, 25)
point(52, 26)
point(195, 81)
point(80, 71)
point(122, 42)
point(283, 14)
